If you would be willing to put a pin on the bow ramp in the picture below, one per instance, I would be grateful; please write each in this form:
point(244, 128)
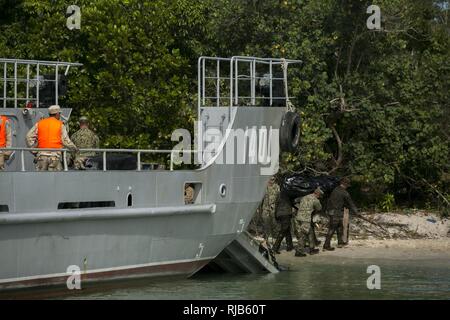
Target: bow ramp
point(244, 255)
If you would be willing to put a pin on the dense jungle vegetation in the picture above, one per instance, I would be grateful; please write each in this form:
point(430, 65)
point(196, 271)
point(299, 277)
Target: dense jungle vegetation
point(374, 103)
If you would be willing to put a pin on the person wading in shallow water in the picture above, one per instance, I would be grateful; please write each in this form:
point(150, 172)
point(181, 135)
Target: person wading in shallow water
point(339, 199)
point(283, 215)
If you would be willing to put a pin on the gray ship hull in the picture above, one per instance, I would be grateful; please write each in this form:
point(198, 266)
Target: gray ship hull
point(157, 235)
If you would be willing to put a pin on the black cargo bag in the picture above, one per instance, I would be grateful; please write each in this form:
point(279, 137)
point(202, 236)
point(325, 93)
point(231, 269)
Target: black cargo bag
point(300, 185)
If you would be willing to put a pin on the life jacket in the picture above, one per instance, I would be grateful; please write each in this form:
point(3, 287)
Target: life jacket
point(49, 133)
point(3, 131)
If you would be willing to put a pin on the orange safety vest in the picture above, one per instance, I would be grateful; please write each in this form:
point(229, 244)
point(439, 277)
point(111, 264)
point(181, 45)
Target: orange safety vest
point(49, 133)
point(3, 131)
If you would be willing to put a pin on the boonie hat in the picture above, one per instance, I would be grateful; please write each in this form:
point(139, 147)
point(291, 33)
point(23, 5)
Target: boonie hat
point(319, 191)
point(54, 109)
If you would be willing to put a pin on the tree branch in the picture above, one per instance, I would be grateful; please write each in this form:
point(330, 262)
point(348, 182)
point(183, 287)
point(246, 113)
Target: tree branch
point(437, 191)
point(338, 161)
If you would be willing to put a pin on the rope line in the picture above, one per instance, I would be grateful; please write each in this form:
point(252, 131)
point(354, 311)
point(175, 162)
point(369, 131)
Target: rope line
point(289, 106)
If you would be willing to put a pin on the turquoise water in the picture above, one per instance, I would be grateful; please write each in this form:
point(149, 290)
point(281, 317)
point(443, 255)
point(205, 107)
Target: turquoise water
point(341, 279)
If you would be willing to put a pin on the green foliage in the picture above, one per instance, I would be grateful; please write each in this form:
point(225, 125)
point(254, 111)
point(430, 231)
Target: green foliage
point(388, 202)
point(135, 69)
point(385, 92)
point(446, 209)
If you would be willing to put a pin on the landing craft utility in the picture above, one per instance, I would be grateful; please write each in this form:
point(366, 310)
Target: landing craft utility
point(115, 224)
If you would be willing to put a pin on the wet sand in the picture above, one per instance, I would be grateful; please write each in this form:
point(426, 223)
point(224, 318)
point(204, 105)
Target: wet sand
point(425, 250)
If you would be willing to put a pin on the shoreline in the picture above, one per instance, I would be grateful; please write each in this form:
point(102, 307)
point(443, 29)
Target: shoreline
point(421, 250)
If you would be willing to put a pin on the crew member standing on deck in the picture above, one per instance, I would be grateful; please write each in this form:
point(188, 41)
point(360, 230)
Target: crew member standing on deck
point(5, 140)
point(49, 133)
point(283, 214)
point(339, 199)
point(84, 138)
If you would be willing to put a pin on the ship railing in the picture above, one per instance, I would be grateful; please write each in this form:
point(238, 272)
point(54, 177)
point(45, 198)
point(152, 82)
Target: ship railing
point(28, 77)
point(240, 81)
point(138, 153)
point(212, 68)
point(252, 77)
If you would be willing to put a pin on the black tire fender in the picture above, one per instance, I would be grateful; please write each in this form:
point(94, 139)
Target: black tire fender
point(290, 132)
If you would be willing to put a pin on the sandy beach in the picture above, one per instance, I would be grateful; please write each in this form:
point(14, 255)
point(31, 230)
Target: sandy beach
point(420, 236)
point(436, 250)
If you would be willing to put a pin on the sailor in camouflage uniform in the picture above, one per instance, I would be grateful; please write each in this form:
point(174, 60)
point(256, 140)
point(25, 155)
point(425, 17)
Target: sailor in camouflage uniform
point(301, 222)
point(264, 217)
point(189, 194)
point(84, 138)
point(268, 209)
